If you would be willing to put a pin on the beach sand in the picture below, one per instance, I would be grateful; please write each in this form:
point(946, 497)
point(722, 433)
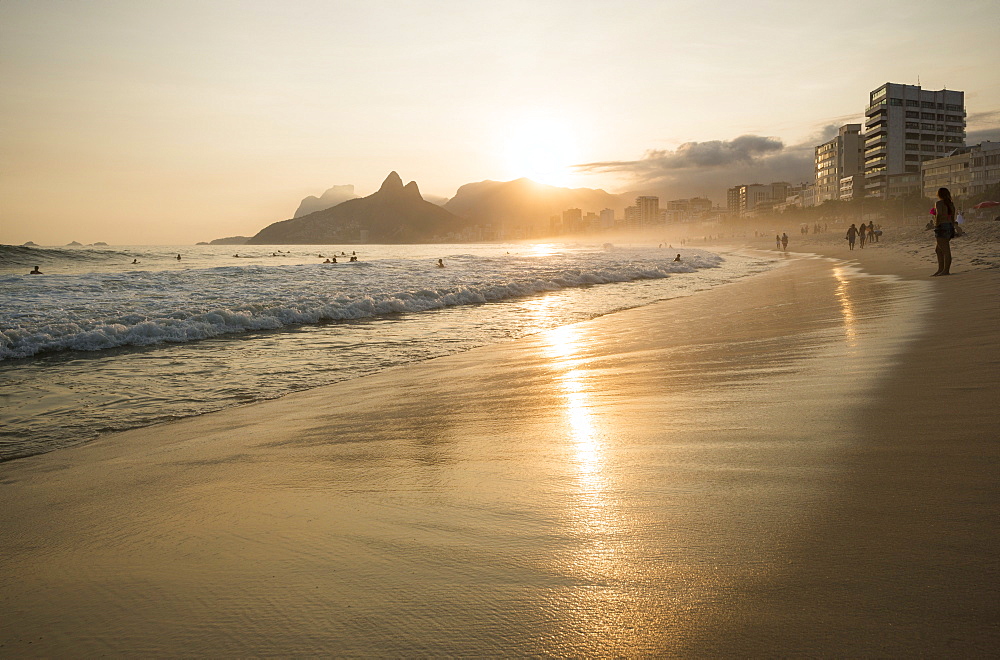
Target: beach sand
point(800, 463)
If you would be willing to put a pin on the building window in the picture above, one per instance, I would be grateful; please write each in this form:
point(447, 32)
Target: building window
point(910, 103)
point(927, 115)
point(895, 101)
point(926, 104)
point(912, 115)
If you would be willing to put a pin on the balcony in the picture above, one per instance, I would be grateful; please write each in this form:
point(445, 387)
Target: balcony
point(875, 108)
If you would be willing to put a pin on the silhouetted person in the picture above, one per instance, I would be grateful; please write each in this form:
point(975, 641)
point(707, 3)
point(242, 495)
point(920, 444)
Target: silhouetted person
point(135, 261)
point(440, 263)
point(862, 231)
point(328, 262)
point(944, 230)
point(852, 235)
point(677, 258)
point(777, 242)
point(784, 241)
point(36, 272)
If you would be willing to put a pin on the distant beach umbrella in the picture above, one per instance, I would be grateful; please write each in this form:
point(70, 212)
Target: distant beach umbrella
point(985, 205)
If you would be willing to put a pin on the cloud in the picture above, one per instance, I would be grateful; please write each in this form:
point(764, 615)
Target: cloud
point(715, 153)
point(709, 168)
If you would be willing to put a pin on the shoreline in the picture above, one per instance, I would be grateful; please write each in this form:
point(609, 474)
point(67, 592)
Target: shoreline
point(728, 488)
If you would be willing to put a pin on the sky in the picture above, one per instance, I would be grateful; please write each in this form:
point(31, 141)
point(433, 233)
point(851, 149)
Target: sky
point(176, 121)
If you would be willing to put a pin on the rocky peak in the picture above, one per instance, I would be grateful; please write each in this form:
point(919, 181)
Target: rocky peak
point(412, 191)
point(392, 184)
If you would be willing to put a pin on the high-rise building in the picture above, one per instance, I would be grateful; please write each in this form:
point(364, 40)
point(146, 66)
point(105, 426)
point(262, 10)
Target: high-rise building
point(906, 125)
point(607, 218)
point(837, 158)
point(631, 216)
point(572, 220)
point(649, 210)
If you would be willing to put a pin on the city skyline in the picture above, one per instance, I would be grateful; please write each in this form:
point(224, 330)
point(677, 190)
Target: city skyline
point(158, 122)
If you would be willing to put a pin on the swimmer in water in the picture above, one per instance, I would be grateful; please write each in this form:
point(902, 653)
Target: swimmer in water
point(178, 257)
point(36, 272)
point(440, 263)
point(135, 261)
point(677, 258)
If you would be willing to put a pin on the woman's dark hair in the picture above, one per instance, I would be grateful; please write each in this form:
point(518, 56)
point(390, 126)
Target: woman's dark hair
point(945, 196)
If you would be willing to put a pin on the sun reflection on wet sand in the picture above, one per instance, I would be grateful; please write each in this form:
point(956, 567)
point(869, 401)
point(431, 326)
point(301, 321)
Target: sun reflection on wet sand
point(847, 308)
point(563, 347)
point(597, 563)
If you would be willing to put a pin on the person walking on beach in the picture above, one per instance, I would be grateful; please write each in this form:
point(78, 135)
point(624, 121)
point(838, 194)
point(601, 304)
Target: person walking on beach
point(777, 242)
point(944, 231)
point(784, 241)
point(862, 230)
point(852, 234)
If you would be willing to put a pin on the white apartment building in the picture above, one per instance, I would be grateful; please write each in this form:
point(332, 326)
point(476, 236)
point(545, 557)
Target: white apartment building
point(966, 171)
point(840, 157)
point(906, 125)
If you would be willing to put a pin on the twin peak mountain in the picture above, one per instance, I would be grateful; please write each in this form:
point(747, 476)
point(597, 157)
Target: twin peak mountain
point(394, 214)
point(399, 214)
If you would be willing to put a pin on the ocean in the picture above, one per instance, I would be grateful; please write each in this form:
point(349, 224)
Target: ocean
point(99, 343)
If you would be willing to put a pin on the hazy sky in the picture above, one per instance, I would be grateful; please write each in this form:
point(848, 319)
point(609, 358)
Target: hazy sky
point(140, 121)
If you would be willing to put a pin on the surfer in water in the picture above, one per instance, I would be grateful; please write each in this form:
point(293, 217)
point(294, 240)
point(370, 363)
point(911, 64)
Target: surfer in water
point(36, 272)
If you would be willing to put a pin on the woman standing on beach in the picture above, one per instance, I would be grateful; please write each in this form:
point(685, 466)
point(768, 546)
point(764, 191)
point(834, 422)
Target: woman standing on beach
point(944, 230)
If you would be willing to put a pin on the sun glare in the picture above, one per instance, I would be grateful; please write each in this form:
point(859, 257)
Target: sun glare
point(542, 150)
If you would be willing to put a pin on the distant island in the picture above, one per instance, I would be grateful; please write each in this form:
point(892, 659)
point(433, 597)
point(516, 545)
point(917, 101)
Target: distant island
point(394, 214)
point(29, 244)
point(74, 244)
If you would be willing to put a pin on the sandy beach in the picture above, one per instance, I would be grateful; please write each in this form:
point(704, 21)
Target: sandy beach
point(801, 463)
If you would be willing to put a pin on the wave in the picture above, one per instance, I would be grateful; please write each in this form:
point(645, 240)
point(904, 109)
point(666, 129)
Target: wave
point(25, 255)
point(165, 315)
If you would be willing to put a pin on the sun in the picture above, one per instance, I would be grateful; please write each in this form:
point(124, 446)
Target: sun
point(541, 149)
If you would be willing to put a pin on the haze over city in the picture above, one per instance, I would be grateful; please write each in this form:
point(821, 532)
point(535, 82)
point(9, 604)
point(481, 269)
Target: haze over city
point(175, 122)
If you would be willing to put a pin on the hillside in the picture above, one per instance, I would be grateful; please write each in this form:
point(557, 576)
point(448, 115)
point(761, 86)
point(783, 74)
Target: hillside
point(394, 214)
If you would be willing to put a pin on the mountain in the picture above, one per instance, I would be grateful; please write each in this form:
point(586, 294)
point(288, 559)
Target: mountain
point(394, 214)
point(329, 199)
point(523, 206)
point(230, 240)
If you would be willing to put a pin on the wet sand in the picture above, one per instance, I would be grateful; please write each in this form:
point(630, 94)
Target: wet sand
point(802, 463)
